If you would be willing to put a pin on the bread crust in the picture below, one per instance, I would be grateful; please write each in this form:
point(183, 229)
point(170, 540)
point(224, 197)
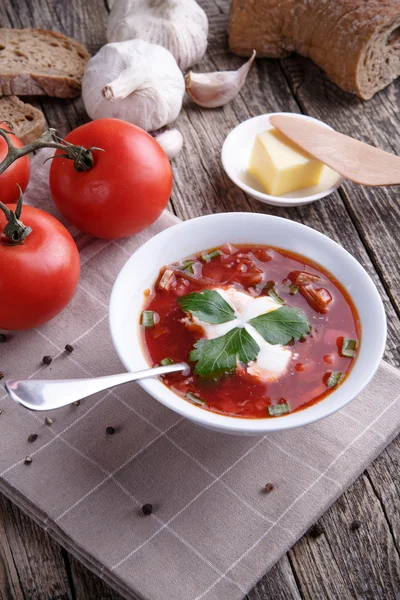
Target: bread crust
point(356, 42)
point(36, 62)
point(28, 122)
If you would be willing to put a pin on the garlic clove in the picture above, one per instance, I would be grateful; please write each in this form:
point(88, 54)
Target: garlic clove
point(171, 141)
point(216, 89)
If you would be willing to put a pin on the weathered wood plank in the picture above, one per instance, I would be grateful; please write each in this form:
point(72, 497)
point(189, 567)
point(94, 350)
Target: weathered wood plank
point(32, 565)
point(384, 478)
point(88, 586)
point(10, 587)
point(279, 584)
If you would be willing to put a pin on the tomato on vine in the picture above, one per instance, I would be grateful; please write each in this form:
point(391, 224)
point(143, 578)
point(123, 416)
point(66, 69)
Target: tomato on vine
point(39, 266)
point(124, 189)
point(17, 174)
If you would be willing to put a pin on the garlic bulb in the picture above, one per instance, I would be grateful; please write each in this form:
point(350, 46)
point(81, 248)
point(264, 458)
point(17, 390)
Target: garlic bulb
point(135, 81)
point(216, 89)
point(181, 26)
point(171, 141)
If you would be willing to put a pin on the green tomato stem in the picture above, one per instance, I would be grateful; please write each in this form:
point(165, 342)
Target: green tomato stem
point(82, 157)
point(15, 232)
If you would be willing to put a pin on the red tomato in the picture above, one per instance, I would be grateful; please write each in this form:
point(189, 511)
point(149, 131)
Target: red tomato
point(127, 188)
point(38, 277)
point(17, 173)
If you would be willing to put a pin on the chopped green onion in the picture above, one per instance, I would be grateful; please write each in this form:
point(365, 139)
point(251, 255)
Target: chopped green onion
point(208, 256)
point(148, 318)
point(268, 286)
point(334, 379)
point(348, 348)
point(293, 289)
point(166, 361)
point(276, 410)
point(273, 294)
point(187, 265)
point(195, 399)
point(166, 279)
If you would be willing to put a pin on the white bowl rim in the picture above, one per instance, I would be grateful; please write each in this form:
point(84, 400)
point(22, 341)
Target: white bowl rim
point(268, 199)
point(225, 423)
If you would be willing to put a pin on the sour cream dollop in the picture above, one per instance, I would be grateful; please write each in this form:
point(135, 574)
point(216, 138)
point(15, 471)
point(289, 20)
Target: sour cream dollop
point(273, 360)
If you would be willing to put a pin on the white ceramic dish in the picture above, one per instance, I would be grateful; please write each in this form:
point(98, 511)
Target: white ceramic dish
point(235, 156)
point(202, 233)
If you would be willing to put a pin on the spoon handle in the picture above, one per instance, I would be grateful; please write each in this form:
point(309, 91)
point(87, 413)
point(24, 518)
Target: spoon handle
point(42, 394)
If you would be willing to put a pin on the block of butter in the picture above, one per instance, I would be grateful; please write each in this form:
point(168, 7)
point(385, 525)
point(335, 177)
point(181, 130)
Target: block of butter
point(280, 166)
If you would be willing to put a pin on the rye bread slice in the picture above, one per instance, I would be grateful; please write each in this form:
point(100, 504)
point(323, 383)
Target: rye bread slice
point(28, 122)
point(37, 62)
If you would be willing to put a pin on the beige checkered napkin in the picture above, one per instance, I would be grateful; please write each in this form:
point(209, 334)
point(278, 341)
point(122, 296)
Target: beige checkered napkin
point(213, 532)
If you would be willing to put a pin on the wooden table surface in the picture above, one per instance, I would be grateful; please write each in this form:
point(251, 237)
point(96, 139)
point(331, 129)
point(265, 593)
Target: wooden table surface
point(340, 563)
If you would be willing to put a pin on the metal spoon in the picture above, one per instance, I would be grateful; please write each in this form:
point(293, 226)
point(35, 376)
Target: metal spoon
point(42, 394)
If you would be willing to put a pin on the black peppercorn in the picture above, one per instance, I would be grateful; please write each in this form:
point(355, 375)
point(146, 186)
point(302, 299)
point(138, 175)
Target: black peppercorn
point(315, 531)
point(1, 375)
point(32, 438)
point(47, 360)
point(268, 488)
point(69, 348)
point(3, 338)
point(147, 509)
point(355, 525)
point(28, 460)
point(110, 430)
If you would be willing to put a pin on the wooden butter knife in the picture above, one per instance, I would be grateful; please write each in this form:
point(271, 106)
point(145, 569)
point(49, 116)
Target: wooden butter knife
point(354, 160)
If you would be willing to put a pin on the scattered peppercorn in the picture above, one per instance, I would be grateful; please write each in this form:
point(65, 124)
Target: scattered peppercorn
point(315, 531)
point(1, 412)
point(1, 375)
point(28, 460)
point(147, 509)
point(48, 421)
point(32, 438)
point(110, 430)
point(76, 403)
point(69, 348)
point(3, 338)
point(268, 488)
point(355, 525)
point(47, 360)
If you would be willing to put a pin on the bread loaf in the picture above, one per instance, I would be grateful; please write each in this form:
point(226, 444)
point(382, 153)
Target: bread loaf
point(356, 42)
point(28, 122)
point(39, 62)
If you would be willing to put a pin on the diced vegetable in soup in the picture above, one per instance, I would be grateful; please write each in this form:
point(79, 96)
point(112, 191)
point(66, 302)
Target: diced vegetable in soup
point(265, 331)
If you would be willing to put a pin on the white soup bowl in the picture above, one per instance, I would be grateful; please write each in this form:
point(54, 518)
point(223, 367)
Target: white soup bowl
point(191, 237)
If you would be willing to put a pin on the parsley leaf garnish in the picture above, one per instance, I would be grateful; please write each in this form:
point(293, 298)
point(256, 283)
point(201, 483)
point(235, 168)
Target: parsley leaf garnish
point(219, 355)
point(282, 325)
point(208, 306)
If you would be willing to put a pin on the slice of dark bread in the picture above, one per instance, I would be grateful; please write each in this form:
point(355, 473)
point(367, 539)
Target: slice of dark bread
point(28, 122)
point(40, 62)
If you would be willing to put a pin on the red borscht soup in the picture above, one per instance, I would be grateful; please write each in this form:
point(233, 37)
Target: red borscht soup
point(265, 331)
